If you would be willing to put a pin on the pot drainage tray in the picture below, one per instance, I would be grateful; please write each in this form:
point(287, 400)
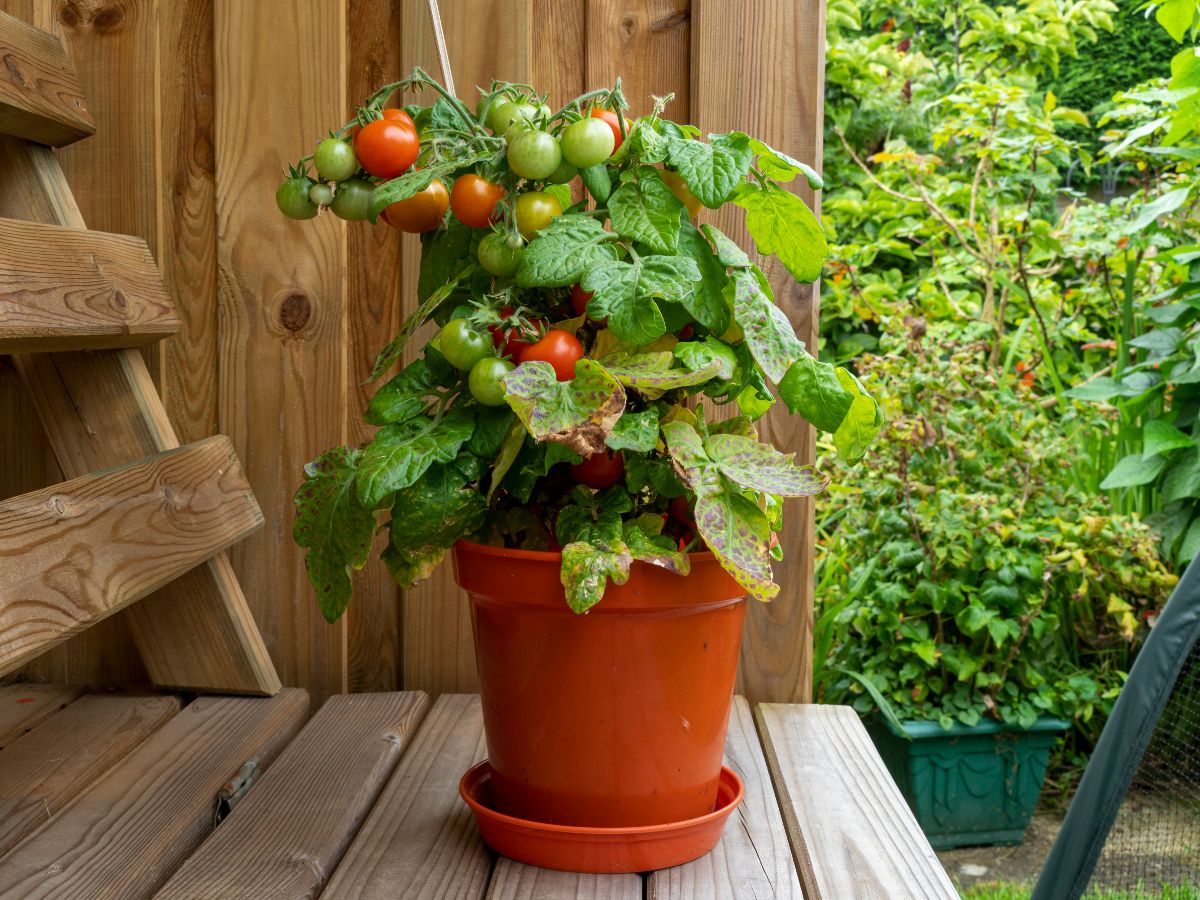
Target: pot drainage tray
point(575, 848)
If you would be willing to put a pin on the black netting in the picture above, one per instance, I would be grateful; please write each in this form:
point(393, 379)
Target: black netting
point(1155, 839)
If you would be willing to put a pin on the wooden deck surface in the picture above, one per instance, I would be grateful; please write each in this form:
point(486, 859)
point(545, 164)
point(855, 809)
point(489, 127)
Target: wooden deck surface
point(139, 796)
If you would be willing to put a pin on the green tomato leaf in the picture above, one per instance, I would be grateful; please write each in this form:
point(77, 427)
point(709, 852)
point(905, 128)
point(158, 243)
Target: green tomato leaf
point(586, 569)
point(390, 353)
point(863, 421)
point(514, 440)
point(647, 212)
point(579, 413)
point(492, 425)
point(624, 294)
point(714, 169)
point(700, 355)
point(706, 302)
point(1133, 470)
point(782, 224)
point(441, 507)
point(635, 431)
point(598, 182)
point(563, 251)
point(401, 453)
point(760, 467)
point(333, 526)
point(769, 334)
point(813, 390)
point(444, 251)
point(644, 549)
point(738, 533)
point(406, 395)
point(407, 569)
point(778, 165)
point(728, 252)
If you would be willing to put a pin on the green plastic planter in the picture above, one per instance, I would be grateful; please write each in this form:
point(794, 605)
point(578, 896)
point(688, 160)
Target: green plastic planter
point(969, 784)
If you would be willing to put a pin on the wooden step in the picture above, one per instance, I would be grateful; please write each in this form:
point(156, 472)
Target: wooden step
point(101, 409)
point(420, 835)
point(24, 706)
point(37, 778)
point(753, 858)
point(40, 99)
point(853, 834)
point(72, 289)
point(79, 551)
point(124, 836)
point(308, 806)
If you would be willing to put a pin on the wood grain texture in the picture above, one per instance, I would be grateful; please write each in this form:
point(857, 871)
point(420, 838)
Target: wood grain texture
point(307, 806)
point(753, 859)
point(112, 46)
point(851, 831)
point(40, 99)
point(101, 409)
point(72, 289)
point(514, 881)
point(124, 836)
point(47, 767)
point(283, 392)
point(486, 39)
point(372, 318)
point(79, 551)
point(421, 837)
point(187, 216)
point(646, 43)
point(24, 706)
point(766, 76)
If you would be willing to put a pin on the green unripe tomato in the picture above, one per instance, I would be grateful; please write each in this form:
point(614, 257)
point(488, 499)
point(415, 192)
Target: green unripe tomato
point(534, 154)
point(497, 257)
point(321, 194)
point(564, 173)
point(486, 380)
point(335, 159)
point(462, 345)
point(352, 201)
point(588, 142)
point(293, 200)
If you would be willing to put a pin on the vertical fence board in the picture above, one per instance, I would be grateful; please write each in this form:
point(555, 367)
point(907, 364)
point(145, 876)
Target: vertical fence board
point(372, 317)
point(486, 39)
point(186, 196)
point(646, 43)
point(282, 375)
point(759, 67)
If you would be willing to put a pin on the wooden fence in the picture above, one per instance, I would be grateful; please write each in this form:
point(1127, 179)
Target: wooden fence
point(199, 104)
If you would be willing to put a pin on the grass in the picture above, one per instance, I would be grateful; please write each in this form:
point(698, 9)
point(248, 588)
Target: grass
point(999, 890)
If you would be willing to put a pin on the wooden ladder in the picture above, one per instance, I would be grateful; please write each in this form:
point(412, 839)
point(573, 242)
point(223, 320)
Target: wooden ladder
point(141, 518)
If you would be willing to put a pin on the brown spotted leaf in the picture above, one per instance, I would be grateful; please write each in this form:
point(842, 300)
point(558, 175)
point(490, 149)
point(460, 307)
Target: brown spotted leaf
point(760, 467)
point(579, 413)
point(738, 533)
point(586, 569)
point(645, 550)
point(651, 373)
point(689, 457)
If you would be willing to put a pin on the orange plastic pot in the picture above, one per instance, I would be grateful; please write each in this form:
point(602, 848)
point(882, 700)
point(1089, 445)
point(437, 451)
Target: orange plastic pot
point(612, 718)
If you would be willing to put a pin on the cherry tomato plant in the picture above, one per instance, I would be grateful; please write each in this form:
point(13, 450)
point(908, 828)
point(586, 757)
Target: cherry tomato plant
point(601, 355)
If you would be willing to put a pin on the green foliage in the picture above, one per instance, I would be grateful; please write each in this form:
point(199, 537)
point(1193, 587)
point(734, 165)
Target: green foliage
point(999, 588)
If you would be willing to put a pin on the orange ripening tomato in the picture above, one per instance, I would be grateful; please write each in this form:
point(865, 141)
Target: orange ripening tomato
point(473, 200)
point(391, 114)
point(387, 147)
point(680, 189)
point(420, 212)
point(613, 122)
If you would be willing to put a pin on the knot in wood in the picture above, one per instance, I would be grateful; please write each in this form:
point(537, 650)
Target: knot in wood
point(15, 75)
point(295, 311)
point(68, 15)
point(108, 19)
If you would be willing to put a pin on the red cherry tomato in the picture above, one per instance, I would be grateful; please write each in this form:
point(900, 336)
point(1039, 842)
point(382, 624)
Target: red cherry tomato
point(387, 147)
point(391, 114)
point(613, 122)
point(420, 212)
point(600, 470)
point(559, 348)
point(579, 299)
point(473, 200)
point(507, 335)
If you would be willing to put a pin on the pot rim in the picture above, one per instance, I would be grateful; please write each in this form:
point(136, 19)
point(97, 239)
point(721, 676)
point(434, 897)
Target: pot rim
point(545, 555)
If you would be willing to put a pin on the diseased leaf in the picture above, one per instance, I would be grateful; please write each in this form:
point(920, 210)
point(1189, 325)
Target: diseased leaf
point(769, 334)
point(647, 212)
point(643, 549)
point(564, 250)
point(697, 355)
point(333, 526)
point(737, 532)
point(440, 508)
point(586, 570)
point(579, 413)
point(407, 569)
point(782, 224)
point(401, 453)
point(714, 169)
point(635, 431)
point(760, 467)
point(651, 373)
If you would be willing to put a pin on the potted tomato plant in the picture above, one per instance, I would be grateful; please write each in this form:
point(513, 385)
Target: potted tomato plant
point(579, 431)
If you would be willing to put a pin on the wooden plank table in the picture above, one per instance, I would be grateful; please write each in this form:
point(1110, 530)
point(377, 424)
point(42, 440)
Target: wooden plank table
point(136, 796)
